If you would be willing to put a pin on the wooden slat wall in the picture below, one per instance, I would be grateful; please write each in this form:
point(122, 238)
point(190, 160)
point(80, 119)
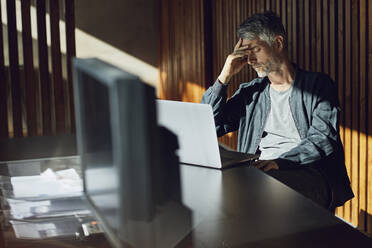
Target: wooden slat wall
point(182, 67)
point(369, 118)
point(331, 36)
point(70, 53)
point(39, 85)
point(14, 70)
point(59, 92)
point(28, 61)
point(43, 68)
point(3, 89)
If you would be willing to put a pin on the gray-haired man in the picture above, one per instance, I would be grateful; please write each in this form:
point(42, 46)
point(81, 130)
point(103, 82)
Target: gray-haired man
point(288, 115)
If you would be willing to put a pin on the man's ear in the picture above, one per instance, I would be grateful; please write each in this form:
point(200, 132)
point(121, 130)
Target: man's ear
point(279, 43)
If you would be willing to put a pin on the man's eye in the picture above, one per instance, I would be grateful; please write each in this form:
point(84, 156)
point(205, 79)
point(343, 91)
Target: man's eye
point(256, 49)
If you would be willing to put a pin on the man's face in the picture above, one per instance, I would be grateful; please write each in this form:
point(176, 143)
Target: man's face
point(261, 56)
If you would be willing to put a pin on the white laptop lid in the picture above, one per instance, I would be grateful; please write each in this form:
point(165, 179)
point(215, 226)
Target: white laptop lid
point(193, 123)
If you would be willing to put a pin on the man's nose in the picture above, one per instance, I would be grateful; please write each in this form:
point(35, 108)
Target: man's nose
point(251, 58)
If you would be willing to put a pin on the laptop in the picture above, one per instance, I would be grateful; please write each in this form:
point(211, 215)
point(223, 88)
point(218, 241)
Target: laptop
point(193, 123)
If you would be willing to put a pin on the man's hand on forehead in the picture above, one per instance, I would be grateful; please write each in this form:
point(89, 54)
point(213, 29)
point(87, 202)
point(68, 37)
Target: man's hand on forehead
point(240, 47)
point(234, 62)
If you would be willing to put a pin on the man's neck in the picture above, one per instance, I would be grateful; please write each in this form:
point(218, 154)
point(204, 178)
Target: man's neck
point(282, 78)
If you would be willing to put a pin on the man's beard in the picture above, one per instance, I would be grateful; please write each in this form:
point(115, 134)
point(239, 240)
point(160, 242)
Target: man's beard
point(264, 69)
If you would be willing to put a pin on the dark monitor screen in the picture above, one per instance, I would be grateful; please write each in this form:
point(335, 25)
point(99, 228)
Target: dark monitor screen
point(101, 185)
point(116, 128)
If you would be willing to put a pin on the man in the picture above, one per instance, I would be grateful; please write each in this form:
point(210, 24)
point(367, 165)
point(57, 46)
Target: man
point(288, 115)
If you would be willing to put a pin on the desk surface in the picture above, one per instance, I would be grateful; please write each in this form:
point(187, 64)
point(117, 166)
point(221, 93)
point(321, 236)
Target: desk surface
point(238, 207)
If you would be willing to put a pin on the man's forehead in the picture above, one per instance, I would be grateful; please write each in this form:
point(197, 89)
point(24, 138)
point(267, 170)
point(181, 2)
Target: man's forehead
point(251, 43)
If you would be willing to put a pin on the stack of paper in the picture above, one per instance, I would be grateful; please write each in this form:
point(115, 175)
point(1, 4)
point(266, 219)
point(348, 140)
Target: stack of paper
point(48, 184)
point(47, 205)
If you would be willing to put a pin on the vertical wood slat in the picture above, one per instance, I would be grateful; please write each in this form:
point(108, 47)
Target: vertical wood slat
point(333, 43)
point(268, 4)
point(43, 68)
point(307, 29)
point(369, 120)
point(347, 110)
point(173, 46)
point(70, 53)
point(4, 133)
point(319, 35)
point(362, 211)
point(289, 29)
point(180, 51)
point(14, 69)
point(355, 114)
point(313, 28)
point(325, 38)
point(284, 15)
point(31, 87)
point(278, 7)
point(340, 77)
point(300, 33)
point(208, 38)
point(59, 96)
point(295, 37)
point(163, 48)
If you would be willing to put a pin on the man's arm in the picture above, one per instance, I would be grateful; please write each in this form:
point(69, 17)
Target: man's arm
point(227, 114)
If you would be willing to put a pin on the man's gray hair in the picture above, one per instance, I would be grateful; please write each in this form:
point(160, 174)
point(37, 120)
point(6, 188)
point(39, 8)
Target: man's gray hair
point(265, 26)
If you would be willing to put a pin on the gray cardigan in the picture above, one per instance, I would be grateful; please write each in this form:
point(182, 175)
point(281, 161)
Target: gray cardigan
point(315, 109)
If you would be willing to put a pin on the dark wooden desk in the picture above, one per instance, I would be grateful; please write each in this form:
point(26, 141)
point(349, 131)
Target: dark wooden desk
point(238, 207)
point(243, 207)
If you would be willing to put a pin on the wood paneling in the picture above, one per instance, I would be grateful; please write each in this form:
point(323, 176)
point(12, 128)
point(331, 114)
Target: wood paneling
point(362, 105)
point(70, 53)
point(331, 36)
point(3, 89)
point(41, 101)
point(347, 99)
point(340, 75)
point(43, 68)
point(28, 65)
point(369, 118)
point(59, 90)
point(182, 68)
point(355, 113)
point(14, 69)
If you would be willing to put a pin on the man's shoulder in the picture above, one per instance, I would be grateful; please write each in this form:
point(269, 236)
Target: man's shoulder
point(317, 83)
point(315, 77)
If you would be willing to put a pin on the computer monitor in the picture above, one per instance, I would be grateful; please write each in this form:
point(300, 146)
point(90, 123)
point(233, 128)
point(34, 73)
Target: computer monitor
point(116, 138)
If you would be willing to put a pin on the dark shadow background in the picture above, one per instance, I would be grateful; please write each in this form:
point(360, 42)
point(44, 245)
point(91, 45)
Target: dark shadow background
point(129, 25)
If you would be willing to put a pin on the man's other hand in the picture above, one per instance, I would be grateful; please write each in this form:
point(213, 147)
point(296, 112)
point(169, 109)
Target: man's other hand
point(266, 165)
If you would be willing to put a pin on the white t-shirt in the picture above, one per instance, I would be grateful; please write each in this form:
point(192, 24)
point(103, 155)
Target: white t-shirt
point(280, 132)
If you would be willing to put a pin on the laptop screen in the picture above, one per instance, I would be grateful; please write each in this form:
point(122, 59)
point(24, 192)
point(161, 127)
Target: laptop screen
point(193, 123)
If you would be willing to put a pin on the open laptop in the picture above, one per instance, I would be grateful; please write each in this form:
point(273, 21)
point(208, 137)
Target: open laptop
point(193, 123)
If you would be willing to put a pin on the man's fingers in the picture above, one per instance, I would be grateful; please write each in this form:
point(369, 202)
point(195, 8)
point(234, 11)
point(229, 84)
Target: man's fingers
point(268, 167)
point(242, 48)
point(260, 163)
point(238, 55)
point(240, 52)
point(265, 165)
point(240, 41)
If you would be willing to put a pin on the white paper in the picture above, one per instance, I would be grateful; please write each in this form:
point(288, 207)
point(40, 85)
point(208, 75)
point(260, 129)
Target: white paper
point(49, 183)
point(30, 230)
